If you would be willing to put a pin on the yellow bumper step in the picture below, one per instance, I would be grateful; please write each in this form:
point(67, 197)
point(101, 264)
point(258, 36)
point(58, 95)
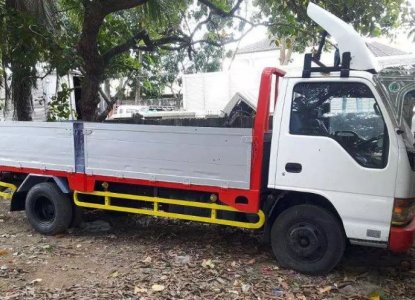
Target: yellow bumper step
point(155, 211)
point(8, 186)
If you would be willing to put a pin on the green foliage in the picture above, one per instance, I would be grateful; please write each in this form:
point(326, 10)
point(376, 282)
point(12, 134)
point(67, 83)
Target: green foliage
point(153, 76)
point(24, 41)
point(408, 20)
point(25, 29)
point(289, 18)
point(208, 58)
point(22, 32)
point(33, 31)
point(38, 33)
point(27, 37)
point(161, 69)
point(59, 108)
point(158, 68)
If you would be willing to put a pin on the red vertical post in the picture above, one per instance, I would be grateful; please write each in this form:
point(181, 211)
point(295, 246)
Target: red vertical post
point(261, 125)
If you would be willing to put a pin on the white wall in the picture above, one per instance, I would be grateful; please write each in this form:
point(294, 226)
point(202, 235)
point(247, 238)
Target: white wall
point(204, 93)
point(208, 93)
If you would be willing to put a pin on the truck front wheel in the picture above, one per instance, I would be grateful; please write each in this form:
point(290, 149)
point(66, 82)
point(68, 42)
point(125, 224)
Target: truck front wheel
point(48, 210)
point(308, 239)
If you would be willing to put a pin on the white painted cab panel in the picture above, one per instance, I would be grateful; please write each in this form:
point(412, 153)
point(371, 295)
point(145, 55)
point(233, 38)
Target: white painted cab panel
point(363, 197)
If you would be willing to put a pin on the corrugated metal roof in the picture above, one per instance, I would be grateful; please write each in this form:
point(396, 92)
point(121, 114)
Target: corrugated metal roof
point(382, 50)
point(260, 46)
point(378, 49)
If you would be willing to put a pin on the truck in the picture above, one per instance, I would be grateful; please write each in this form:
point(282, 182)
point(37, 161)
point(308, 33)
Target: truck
point(333, 165)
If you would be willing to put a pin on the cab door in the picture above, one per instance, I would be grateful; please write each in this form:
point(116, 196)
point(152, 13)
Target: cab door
point(333, 138)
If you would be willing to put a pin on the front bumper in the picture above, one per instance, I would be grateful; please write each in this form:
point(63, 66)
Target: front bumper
point(401, 238)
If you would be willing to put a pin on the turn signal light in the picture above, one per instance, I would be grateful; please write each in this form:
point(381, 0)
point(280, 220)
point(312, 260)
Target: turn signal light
point(403, 211)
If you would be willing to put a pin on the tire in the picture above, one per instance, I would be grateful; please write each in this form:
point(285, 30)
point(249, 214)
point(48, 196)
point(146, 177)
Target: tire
point(48, 210)
point(308, 239)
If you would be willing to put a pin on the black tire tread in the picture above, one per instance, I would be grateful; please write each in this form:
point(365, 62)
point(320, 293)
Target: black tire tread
point(63, 209)
point(333, 230)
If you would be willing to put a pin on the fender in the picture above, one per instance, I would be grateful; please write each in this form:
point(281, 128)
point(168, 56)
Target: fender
point(280, 200)
point(19, 197)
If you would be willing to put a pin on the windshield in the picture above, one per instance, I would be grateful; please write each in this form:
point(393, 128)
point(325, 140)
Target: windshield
point(397, 84)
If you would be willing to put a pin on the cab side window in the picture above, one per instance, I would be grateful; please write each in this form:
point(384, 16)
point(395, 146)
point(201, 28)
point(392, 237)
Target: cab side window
point(345, 112)
point(408, 110)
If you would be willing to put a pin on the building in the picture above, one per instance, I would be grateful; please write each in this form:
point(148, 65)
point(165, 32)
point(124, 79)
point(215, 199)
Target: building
point(47, 86)
point(208, 93)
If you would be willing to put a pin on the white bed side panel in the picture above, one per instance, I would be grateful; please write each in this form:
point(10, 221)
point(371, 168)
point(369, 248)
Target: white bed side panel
point(37, 145)
point(190, 155)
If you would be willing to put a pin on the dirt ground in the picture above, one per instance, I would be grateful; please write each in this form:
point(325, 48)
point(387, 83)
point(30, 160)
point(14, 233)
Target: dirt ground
point(134, 257)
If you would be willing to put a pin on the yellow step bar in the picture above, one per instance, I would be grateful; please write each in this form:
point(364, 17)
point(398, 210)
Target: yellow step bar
point(213, 219)
point(9, 194)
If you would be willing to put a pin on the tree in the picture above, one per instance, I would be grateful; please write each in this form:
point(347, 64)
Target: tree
point(374, 17)
point(160, 25)
point(163, 68)
point(24, 40)
point(408, 20)
point(207, 59)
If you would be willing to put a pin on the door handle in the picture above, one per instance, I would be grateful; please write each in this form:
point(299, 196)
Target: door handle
point(293, 167)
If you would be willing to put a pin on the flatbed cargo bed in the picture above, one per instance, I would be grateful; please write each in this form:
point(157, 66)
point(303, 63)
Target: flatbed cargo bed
point(188, 155)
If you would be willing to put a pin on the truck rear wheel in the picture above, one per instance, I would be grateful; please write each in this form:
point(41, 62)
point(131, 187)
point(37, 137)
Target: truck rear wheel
point(308, 239)
point(48, 210)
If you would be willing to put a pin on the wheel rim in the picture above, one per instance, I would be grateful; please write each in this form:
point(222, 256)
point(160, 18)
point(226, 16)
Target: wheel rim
point(306, 242)
point(44, 210)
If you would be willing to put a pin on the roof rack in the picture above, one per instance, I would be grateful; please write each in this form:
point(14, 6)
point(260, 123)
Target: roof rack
point(343, 66)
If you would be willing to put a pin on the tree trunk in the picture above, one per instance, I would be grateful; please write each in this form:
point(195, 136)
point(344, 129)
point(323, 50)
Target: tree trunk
point(288, 56)
point(282, 52)
point(137, 99)
point(107, 92)
point(22, 76)
point(21, 88)
point(120, 89)
point(6, 90)
point(107, 88)
point(57, 85)
point(90, 98)
point(93, 62)
point(286, 50)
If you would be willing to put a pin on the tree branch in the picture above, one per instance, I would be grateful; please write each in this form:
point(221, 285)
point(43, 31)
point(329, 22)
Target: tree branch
point(182, 42)
point(181, 39)
point(130, 43)
point(200, 24)
point(220, 12)
point(110, 6)
point(110, 105)
point(106, 97)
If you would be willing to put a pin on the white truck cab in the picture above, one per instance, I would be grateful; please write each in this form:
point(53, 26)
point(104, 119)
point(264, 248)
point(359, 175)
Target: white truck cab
point(340, 138)
point(344, 134)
